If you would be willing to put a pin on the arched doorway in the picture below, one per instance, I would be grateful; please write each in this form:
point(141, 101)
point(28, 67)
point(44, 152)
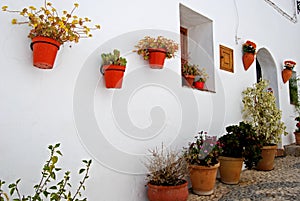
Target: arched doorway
point(266, 69)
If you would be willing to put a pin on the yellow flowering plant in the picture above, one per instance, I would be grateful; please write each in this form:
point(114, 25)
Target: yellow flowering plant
point(47, 22)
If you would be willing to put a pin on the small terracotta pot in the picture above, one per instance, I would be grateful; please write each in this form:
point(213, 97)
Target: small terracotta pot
point(199, 85)
point(44, 51)
point(189, 80)
point(286, 74)
point(268, 155)
point(113, 75)
point(203, 178)
point(248, 59)
point(168, 193)
point(297, 137)
point(157, 57)
point(230, 169)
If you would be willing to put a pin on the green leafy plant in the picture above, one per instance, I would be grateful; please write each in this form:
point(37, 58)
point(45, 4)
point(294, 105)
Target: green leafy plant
point(166, 167)
point(160, 42)
point(261, 112)
point(3, 195)
point(203, 76)
point(113, 58)
point(190, 69)
point(47, 22)
point(46, 189)
point(249, 46)
point(203, 151)
point(241, 141)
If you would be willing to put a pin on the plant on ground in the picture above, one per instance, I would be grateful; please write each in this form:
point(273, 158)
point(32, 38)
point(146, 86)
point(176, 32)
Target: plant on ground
point(46, 188)
point(166, 167)
point(147, 42)
point(261, 112)
point(203, 151)
point(46, 21)
point(241, 141)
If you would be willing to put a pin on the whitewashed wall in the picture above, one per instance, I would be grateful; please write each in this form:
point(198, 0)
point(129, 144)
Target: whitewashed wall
point(115, 128)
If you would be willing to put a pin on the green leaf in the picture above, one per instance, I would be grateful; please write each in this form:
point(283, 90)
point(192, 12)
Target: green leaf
point(54, 159)
point(81, 171)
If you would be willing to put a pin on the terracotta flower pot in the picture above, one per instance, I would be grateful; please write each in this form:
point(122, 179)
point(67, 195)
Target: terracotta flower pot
point(268, 155)
point(44, 51)
point(113, 75)
point(199, 85)
point(286, 74)
point(203, 178)
point(297, 137)
point(157, 57)
point(168, 193)
point(248, 59)
point(230, 169)
point(189, 80)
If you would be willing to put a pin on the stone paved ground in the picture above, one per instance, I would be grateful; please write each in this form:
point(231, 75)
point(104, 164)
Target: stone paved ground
point(282, 183)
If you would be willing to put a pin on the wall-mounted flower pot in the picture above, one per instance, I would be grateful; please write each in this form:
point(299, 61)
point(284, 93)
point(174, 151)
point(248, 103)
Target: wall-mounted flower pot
point(113, 75)
point(248, 59)
point(44, 51)
point(189, 80)
point(157, 58)
point(168, 193)
point(286, 74)
point(199, 85)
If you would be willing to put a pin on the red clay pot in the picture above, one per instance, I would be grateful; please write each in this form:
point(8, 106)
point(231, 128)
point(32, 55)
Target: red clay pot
point(199, 85)
point(189, 80)
point(203, 178)
point(248, 59)
point(286, 75)
point(113, 75)
point(168, 193)
point(157, 57)
point(268, 155)
point(297, 137)
point(44, 51)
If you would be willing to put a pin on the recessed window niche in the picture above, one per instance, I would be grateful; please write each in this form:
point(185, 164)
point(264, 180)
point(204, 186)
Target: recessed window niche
point(197, 42)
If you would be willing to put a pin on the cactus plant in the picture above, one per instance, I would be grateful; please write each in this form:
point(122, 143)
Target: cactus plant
point(115, 59)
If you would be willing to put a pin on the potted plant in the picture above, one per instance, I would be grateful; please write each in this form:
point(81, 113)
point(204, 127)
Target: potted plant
point(3, 194)
point(297, 131)
point(189, 72)
point(261, 112)
point(113, 68)
point(239, 144)
point(203, 76)
point(202, 157)
point(156, 50)
point(50, 30)
point(249, 49)
point(46, 189)
point(166, 181)
point(288, 71)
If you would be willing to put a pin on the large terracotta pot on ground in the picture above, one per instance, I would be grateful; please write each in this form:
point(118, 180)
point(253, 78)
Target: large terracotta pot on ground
point(157, 57)
point(189, 80)
point(168, 193)
point(203, 178)
point(44, 52)
point(248, 59)
point(286, 74)
point(268, 156)
point(230, 169)
point(113, 75)
point(297, 137)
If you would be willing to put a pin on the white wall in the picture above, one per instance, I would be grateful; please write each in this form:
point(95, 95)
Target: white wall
point(115, 128)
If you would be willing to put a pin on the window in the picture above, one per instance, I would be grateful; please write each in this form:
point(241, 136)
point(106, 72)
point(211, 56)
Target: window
point(197, 42)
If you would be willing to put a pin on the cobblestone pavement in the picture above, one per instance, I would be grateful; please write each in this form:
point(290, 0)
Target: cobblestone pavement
point(282, 183)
